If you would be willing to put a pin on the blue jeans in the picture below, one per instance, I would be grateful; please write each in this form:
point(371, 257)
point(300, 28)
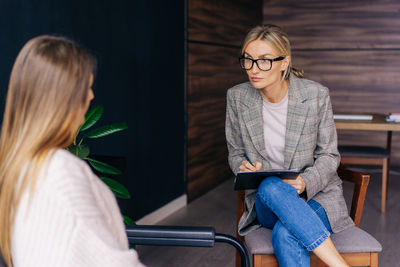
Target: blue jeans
point(298, 227)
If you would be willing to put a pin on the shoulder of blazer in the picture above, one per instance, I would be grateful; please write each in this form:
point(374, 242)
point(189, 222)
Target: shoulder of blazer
point(305, 89)
point(244, 93)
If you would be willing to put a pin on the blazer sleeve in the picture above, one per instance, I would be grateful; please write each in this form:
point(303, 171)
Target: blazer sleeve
point(326, 155)
point(233, 136)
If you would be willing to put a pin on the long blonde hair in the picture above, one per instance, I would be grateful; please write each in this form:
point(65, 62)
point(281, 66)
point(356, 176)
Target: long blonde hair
point(46, 98)
point(276, 37)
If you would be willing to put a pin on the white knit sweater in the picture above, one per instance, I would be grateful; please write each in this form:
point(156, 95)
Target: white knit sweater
point(72, 219)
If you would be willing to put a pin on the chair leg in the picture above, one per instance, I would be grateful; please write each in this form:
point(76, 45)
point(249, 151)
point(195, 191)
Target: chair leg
point(374, 259)
point(385, 171)
point(261, 260)
point(257, 261)
point(238, 262)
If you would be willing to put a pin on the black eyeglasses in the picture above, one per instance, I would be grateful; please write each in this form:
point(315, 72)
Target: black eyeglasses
point(264, 64)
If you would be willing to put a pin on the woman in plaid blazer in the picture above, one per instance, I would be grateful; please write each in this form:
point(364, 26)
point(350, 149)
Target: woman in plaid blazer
point(279, 120)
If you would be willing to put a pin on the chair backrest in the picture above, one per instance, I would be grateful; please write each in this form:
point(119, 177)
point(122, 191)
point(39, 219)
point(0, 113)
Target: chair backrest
point(361, 182)
point(2, 263)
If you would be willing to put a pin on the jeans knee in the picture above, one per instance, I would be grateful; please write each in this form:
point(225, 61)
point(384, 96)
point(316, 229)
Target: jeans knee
point(270, 188)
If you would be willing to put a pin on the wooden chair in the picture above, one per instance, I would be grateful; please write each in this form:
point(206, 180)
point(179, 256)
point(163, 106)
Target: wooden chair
point(356, 246)
point(370, 155)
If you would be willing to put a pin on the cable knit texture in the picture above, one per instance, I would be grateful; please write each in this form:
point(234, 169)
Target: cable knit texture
point(71, 219)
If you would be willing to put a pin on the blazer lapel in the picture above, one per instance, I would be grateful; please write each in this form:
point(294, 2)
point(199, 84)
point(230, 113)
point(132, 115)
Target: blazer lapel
point(254, 122)
point(296, 117)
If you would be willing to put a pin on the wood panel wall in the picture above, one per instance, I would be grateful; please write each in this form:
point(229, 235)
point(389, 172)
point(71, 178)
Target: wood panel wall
point(352, 47)
point(215, 32)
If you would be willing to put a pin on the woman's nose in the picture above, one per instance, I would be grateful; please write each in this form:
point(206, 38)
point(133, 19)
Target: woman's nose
point(254, 68)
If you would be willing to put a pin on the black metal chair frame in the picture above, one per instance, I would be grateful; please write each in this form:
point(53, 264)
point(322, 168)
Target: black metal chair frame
point(187, 236)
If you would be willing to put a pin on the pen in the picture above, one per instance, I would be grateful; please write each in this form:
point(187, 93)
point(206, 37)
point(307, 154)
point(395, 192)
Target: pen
point(247, 158)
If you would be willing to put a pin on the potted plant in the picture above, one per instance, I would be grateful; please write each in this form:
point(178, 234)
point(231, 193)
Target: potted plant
point(82, 150)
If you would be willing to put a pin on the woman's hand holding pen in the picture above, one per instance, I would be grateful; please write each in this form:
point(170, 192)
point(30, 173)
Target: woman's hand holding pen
point(297, 183)
point(248, 167)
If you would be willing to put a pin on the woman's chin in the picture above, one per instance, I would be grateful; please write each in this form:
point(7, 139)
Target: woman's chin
point(257, 85)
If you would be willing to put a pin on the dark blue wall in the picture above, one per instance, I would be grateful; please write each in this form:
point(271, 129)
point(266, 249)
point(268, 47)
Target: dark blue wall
point(140, 80)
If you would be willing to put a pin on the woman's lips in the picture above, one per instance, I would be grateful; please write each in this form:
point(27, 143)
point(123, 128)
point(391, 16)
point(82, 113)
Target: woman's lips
point(256, 79)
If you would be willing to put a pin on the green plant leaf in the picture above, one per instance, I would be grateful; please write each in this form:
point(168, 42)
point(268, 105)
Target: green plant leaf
point(118, 189)
point(128, 221)
point(92, 116)
point(107, 130)
point(102, 167)
point(81, 151)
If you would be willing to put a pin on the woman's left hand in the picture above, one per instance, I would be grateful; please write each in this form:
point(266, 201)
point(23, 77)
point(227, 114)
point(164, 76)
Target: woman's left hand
point(297, 183)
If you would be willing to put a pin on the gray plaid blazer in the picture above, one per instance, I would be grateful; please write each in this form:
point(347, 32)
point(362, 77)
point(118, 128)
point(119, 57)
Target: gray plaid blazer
point(310, 145)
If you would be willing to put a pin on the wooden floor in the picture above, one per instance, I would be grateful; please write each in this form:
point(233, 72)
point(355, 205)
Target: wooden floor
point(218, 208)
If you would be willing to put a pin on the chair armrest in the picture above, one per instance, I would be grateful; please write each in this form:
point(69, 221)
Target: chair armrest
point(171, 235)
point(353, 176)
point(361, 182)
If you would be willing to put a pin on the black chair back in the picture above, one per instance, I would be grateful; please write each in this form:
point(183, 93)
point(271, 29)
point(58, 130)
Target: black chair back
point(2, 263)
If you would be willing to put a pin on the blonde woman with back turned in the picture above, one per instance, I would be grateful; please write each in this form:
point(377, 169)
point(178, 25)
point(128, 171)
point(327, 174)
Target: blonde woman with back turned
point(54, 210)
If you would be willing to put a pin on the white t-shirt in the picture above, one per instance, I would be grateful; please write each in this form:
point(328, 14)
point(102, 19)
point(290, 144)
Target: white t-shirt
point(72, 219)
point(274, 117)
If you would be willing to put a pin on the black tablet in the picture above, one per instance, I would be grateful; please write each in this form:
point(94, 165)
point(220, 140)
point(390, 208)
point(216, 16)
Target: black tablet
point(251, 180)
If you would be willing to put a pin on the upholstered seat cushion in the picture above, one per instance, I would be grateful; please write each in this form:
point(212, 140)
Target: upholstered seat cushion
point(350, 240)
point(363, 151)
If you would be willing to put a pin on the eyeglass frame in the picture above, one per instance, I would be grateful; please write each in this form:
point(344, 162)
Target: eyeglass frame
point(256, 61)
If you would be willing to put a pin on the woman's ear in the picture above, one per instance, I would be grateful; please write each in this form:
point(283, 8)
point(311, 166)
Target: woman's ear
point(285, 63)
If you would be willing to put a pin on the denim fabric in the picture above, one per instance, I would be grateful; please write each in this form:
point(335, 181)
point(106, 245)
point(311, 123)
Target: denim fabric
point(297, 226)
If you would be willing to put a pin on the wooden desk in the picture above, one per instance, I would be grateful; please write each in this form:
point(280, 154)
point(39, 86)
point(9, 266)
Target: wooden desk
point(378, 123)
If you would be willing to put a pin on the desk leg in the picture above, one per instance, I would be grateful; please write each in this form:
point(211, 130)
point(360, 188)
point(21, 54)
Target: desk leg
point(389, 141)
point(385, 172)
